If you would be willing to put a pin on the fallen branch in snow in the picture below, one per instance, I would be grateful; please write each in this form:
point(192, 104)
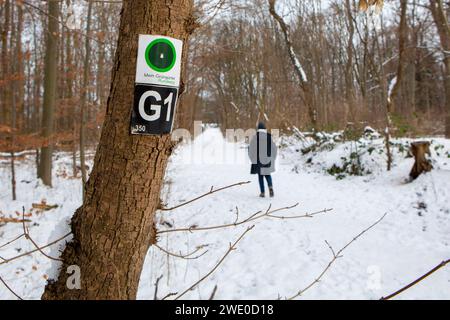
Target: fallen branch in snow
point(4, 220)
point(11, 241)
point(187, 256)
point(257, 215)
point(43, 206)
point(439, 266)
point(336, 255)
point(204, 195)
point(11, 290)
point(230, 249)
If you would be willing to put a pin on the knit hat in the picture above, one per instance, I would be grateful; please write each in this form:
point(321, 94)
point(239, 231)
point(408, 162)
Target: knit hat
point(261, 125)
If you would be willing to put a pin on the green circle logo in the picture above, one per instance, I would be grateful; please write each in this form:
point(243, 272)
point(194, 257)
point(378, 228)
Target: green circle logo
point(160, 55)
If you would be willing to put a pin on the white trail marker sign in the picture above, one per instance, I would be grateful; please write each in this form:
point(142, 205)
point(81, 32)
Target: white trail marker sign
point(157, 82)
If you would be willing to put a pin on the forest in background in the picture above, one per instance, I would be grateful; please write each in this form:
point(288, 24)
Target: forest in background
point(238, 66)
point(67, 74)
point(238, 69)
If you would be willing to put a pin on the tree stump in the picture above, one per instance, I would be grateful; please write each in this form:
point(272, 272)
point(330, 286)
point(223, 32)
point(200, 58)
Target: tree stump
point(419, 150)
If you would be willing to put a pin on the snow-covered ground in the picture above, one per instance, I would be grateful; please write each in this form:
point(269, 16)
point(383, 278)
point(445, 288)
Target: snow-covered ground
point(277, 257)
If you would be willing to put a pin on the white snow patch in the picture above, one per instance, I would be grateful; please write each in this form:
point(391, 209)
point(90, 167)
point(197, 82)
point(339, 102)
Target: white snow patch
point(278, 257)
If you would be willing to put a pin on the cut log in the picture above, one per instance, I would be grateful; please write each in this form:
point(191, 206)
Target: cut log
point(5, 220)
point(43, 206)
point(419, 150)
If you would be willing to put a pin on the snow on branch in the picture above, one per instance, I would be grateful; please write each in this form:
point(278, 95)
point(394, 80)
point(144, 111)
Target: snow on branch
point(391, 87)
point(287, 37)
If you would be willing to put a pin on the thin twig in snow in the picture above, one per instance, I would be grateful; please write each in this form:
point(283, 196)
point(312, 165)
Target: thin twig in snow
point(171, 294)
point(11, 290)
point(336, 255)
point(213, 293)
point(439, 266)
point(26, 233)
point(230, 249)
point(13, 240)
point(155, 296)
point(35, 250)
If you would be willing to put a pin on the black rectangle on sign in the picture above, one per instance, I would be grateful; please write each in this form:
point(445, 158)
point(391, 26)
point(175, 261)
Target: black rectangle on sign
point(153, 109)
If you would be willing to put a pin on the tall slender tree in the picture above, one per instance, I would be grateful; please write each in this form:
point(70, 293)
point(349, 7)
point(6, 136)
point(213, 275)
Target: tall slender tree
point(440, 18)
point(50, 75)
point(298, 68)
point(84, 96)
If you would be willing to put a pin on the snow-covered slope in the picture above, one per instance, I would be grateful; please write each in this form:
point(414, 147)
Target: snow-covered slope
point(277, 257)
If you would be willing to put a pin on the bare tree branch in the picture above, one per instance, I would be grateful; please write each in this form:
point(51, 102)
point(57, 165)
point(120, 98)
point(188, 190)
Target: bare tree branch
point(187, 256)
point(35, 250)
point(204, 195)
point(26, 233)
point(257, 215)
point(11, 241)
point(11, 290)
point(335, 256)
point(171, 294)
point(230, 249)
point(65, 26)
point(213, 293)
point(439, 266)
point(155, 296)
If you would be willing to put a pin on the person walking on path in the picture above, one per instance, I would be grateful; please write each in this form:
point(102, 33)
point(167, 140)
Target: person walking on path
point(262, 153)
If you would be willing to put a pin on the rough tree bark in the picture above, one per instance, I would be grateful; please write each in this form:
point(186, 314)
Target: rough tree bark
point(419, 150)
point(114, 227)
point(51, 52)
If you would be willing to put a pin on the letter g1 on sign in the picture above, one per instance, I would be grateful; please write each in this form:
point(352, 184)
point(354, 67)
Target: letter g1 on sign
point(158, 72)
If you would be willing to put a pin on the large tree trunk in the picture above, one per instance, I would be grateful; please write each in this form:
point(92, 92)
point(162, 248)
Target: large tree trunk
point(45, 162)
point(114, 227)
